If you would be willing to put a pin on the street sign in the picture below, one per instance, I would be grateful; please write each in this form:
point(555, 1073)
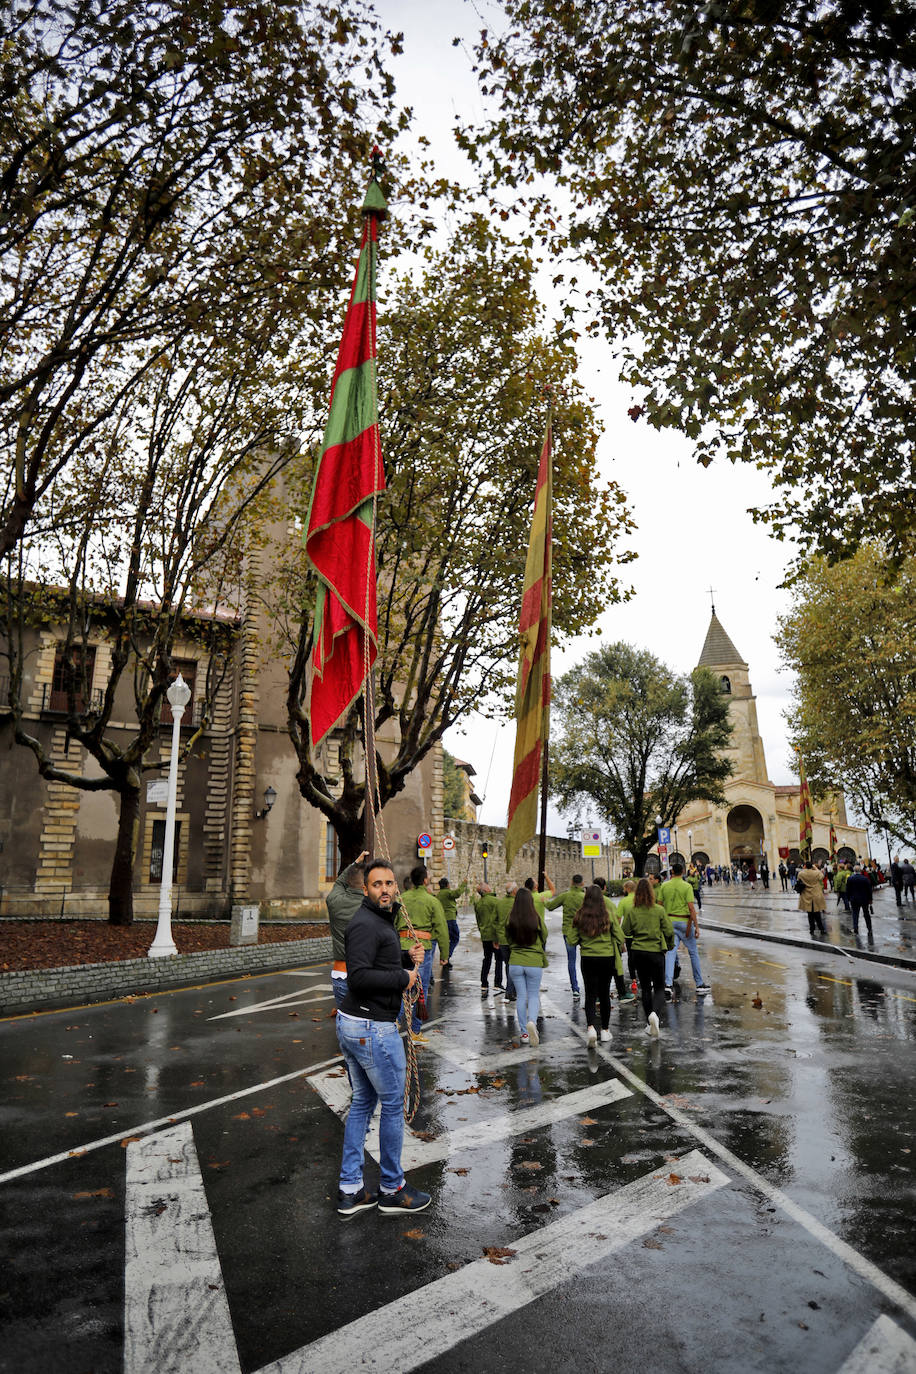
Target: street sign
point(663, 852)
point(664, 836)
point(424, 841)
point(424, 851)
point(448, 843)
point(591, 844)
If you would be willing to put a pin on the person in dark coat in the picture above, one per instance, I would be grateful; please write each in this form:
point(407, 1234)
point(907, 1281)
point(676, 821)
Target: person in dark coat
point(859, 892)
point(908, 874)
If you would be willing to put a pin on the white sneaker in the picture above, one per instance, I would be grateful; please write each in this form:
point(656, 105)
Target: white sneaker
point(604, 1036)
point(592, 1037)
point(533, 1033)
point(652, 1028)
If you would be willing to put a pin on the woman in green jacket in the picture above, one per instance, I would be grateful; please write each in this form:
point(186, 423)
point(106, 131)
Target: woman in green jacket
point(526, 935)
point(649, 926)
point(600, 939)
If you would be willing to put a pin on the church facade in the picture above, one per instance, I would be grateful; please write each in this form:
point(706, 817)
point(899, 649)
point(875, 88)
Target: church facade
point(759, 819)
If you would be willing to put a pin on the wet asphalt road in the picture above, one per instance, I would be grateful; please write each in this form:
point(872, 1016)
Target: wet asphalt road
point(794, 1081)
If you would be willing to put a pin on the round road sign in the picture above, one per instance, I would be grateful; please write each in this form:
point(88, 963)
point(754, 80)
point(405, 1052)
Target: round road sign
point(448, 843)
point(424, 841)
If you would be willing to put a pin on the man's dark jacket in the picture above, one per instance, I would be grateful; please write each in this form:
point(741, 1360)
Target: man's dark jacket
point(376, 964)
point(859, 890)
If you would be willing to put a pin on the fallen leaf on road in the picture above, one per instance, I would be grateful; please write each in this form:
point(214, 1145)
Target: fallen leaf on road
point(416, 1234)
point(425, 1135)
point(198, 1083)
point(99, 1192)
point(674, 1178)
point(462, 1172)
point(128, 1140)
point(218, 1164)
point(242, 1116)
point(71, 1113)
point(497, 1082)
point(586, 1140)
point(587, 1121)
point(530, 1164)
point(651, 1244)
point(499, 1254)
point(109, 1104)
point(694, 1178)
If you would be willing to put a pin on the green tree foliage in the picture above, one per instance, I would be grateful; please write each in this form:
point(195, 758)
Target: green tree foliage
point(850, 640)
point(742, 177)
point(454, 788)
point(170, 170)
point(636, 741)
point(463, 362)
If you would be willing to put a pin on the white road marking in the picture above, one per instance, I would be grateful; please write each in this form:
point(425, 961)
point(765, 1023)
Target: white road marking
point(176, 1316)
point(457, 1053)
point(334, 1088)
point(288, 999)
point(858, 1263)
point(886, 1349)
point(145, 1127)
point(427, 1323)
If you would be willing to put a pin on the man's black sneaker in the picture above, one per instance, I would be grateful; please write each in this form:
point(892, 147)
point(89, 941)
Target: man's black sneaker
point(406, 1199)
point(348, 1204)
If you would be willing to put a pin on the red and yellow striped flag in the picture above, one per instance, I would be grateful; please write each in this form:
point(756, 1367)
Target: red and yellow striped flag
point(340, 534)
point(532, 693)
point(805, 811)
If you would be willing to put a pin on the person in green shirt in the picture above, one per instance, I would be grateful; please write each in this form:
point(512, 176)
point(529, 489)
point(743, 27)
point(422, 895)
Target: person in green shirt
point(839, 886)
point(623, 989)
point(526, 935)
point(447, 898)
point(570, 901)
point(600, 938)
point(504, 907)
point(428, 921)
point(623, 906)
point(676, 896)
point(488, 924)
point(647, 924)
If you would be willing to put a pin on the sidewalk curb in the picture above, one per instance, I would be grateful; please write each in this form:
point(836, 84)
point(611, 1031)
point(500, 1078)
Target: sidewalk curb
point(871, 957)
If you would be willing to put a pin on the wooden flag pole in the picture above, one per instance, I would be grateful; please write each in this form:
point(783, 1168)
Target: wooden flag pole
point(371, 764)
point(542, 845)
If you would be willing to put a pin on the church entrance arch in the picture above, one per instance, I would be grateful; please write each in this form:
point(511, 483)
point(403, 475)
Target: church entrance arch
point(745, 833)
point(846, 855)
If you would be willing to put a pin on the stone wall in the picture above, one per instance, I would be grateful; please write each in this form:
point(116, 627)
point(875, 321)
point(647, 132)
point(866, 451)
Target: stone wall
point(32, 989)
point(564, 858)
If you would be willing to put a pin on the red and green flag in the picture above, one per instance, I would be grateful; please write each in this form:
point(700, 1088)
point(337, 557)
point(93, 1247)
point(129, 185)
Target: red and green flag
point(805, 811)
point(532, 694)
point(340, 532)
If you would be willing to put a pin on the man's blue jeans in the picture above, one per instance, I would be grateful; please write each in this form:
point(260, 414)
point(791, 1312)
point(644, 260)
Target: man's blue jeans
point(375, 1059)
point(571, 964)
point(339, 989)
point(681, 937)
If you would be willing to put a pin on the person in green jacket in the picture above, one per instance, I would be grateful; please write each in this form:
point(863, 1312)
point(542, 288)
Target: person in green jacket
point(600, 938)
point(526, 935)
point(447, 898)
point(623, 906)
point(428, 920)
point(488, 924)
point(504, 907)
point(839, 885)
point(343, 901)
point(649, 926)
point(676, 896)
point(624, 994)
point(570, 901)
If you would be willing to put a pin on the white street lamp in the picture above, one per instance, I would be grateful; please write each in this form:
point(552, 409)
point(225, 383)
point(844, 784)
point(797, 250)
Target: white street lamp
point(690, 846)
point(179, 694)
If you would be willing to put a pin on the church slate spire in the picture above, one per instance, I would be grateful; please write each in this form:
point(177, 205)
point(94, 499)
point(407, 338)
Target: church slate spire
point(718, 650)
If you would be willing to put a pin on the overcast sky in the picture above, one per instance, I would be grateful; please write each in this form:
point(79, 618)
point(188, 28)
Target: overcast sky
point(695, 531)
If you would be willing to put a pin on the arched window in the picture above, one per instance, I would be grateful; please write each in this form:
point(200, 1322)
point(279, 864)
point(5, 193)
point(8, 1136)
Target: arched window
point(725, 684)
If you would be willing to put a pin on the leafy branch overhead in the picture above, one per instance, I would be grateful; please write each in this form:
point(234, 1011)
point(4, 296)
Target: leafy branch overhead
point(849, 638)
point(741, 178)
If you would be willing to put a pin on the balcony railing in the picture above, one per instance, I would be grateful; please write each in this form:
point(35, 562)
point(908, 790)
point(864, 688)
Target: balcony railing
point(57, 702)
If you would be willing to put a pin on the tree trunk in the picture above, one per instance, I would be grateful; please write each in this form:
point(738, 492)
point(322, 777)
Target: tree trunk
point(640, 853)
point(121, 883)
point(350, 834)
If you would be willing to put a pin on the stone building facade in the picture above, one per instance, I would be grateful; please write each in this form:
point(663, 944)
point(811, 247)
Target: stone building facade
point(57, 842)
point(759, 817)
